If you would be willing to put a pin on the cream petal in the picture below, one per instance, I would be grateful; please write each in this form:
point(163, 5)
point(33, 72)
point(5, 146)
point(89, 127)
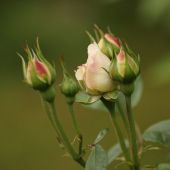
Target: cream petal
point(98, 79)
point(80, 72)
point(96, 56)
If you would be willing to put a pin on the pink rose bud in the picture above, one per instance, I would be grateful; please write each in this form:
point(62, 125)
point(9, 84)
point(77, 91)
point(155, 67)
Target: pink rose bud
point(109, 44)
point(38, 72)
point(112, 39)
point(125, 67)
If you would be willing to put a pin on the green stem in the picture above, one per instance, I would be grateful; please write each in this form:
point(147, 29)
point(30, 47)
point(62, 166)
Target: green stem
point(134, 145)
point(75, 124)
point(50, 117)
point(124, 118)
point(62, 134)
point(111, 107)
point(120, 138)
point(140, 138)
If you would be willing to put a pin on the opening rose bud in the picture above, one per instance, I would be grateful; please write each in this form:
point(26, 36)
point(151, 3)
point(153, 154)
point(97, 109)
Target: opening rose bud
point(38, 72)
point(124, 68)
point(93, 75)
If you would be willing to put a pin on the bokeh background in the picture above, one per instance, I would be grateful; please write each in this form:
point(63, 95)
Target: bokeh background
point(27, 141)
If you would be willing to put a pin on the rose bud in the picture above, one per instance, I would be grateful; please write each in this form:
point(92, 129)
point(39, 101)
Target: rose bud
point(38, 72)
point(93, 76)
point(109, 44)
point(69, 87)
point(125, 67)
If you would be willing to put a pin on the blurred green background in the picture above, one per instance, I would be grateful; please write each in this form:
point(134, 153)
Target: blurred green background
point(27, 141)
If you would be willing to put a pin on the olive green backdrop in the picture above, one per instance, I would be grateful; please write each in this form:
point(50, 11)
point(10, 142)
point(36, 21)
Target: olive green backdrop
point(27, 141)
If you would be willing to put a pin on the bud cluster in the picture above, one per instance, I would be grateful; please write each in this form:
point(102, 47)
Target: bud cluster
point(124, 66)
point(110, 63)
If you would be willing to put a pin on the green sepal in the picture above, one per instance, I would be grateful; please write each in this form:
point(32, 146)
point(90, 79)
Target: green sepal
point(84, 98)
point(99, 30)
point(23, 65)
point(127, 89)
point(111, 96)
point(69, 86)
point(91, 37)
point(49, 94)
point(106, 48)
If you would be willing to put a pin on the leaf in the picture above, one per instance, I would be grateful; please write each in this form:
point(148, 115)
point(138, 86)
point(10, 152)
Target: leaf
point(101, 135)
point(114, 152)
point(97, 159)
point(98, 105)
point(137, 94)
point(159, 132)
point(163, 166)
point(84, 98)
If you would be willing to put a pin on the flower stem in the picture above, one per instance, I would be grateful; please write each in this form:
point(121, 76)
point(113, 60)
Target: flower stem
point(75, 124)
point(111, 107)
point(124, 118)
point(121, 138)
point(140, 139)
point(133, 136)
point(59, 129)
point(51, 118)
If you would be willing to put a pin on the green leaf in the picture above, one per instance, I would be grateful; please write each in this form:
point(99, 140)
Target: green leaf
point(92, 39)
point(137, 94)
point(163, 166)
point(159, 132)
point(84, 98)
point(101, 135)
point(114, 152)
point(98, 105)
point(97, 159)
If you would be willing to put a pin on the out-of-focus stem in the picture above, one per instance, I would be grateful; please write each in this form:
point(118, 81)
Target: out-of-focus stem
point(124, 118)
point(111, 107)
point(133, 136)
point(140, 138)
